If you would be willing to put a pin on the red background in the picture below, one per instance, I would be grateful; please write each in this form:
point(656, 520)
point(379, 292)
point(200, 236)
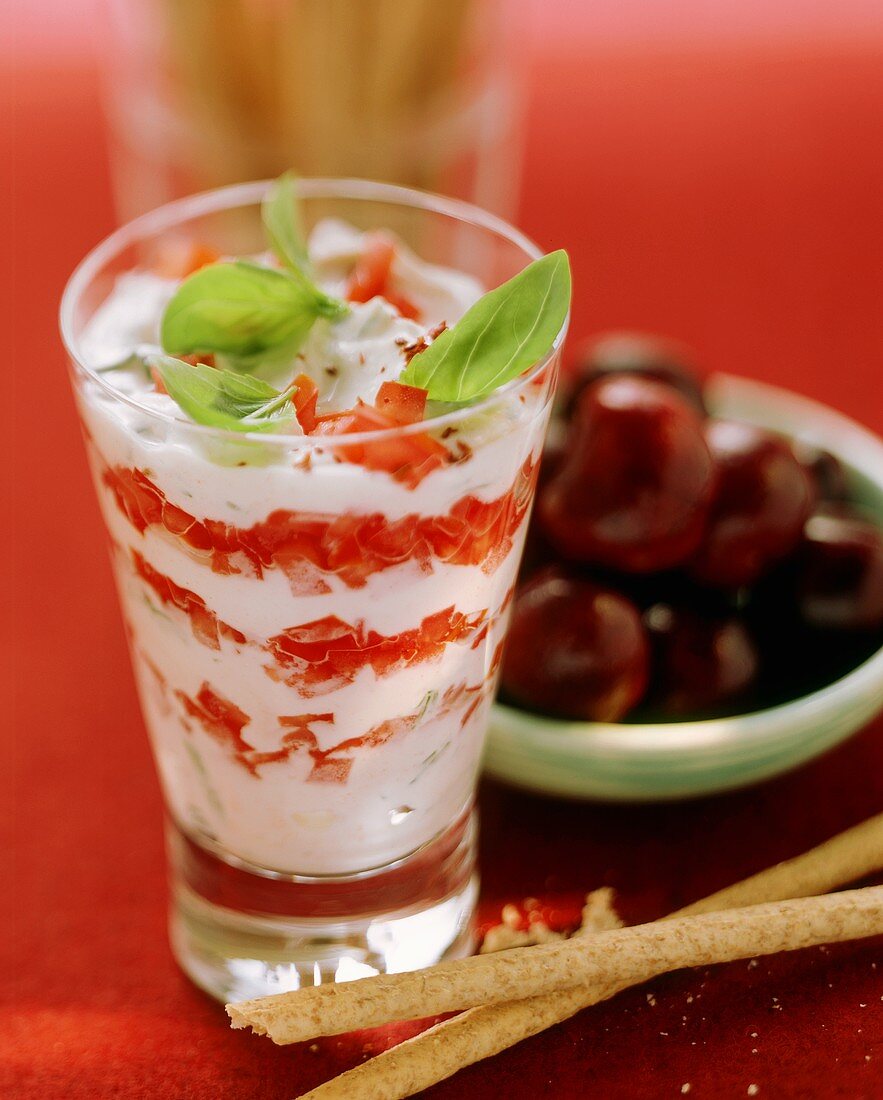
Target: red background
point(715, 177)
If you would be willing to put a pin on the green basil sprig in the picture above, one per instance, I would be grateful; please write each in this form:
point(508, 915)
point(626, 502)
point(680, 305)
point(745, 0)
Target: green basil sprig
point(224, 398)
point(244, 310)
point(280, 213)
point(507, 331)
point(238, 309)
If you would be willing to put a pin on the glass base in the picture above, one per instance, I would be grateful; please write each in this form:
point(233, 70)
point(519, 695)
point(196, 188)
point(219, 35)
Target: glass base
point(239, 931)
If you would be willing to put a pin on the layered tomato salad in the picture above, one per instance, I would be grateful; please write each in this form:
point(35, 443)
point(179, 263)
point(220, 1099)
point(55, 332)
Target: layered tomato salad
point(316, 526)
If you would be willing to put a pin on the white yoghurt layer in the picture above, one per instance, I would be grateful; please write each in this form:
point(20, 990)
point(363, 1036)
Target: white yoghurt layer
point(312, 777)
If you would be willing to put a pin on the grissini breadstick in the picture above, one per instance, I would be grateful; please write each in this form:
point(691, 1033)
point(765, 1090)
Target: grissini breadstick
point(628, 955)
point(481, 1033)
point(452, 1045)
point(449, 1046)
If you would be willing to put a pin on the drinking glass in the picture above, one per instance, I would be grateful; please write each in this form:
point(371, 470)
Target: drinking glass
point(200, 94)
point(315, 640)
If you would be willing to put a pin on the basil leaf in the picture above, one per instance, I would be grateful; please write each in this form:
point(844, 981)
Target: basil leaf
point(507, 331)
point(224, 398)
point(238, 308)
point(280, 212)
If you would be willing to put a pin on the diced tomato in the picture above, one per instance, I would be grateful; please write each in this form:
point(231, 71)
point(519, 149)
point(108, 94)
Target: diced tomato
point(158, 383)
point(404, 305)
point(179, 258)
point(306, 395)
point(409, 457)
point(363, 418)
point(371, 275)
point(405, 404)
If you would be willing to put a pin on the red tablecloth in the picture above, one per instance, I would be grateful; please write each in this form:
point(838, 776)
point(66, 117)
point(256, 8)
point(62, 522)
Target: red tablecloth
point(727, 196)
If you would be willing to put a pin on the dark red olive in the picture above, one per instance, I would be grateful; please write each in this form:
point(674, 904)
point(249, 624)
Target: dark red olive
point(840, 573)
point(700, 663)
point(574, 650)
point(651, 357)
point(763, 498)
point(635, 485)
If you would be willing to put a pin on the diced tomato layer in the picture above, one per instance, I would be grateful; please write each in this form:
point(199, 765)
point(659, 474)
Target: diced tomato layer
point(404, 404)
point(179, 258)
point(222, 720)
point(409, 457)
point(307, 546)
point(323, 655)
point(207, 627)
point(225, 722)
point(306, 395)
point(371, 276)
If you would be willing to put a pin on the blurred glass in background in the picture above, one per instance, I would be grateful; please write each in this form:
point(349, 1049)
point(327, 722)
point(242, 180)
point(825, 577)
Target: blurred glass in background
point(208, 92)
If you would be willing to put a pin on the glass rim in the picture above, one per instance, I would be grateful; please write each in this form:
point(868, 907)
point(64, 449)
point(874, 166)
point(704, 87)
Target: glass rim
point(174, 213)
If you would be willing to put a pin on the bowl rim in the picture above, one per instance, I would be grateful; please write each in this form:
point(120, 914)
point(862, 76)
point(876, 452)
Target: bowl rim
point(810, 422)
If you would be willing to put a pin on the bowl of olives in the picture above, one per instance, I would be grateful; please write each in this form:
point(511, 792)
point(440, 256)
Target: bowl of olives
point(700, 605)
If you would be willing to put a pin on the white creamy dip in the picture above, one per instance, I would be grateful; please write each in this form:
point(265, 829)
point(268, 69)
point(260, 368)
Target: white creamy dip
point(404, 741)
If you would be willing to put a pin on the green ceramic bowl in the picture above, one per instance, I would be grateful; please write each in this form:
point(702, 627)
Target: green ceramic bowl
point(684, 759)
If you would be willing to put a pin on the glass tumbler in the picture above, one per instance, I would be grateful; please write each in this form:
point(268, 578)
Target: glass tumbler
point(202, 93)
point(315, 641)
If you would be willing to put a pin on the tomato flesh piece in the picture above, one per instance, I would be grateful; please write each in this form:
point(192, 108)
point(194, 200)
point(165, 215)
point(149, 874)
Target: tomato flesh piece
point(305, 398)
point(404, 305)
point(370, 277)
point(405, 404)
point(408, 457)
